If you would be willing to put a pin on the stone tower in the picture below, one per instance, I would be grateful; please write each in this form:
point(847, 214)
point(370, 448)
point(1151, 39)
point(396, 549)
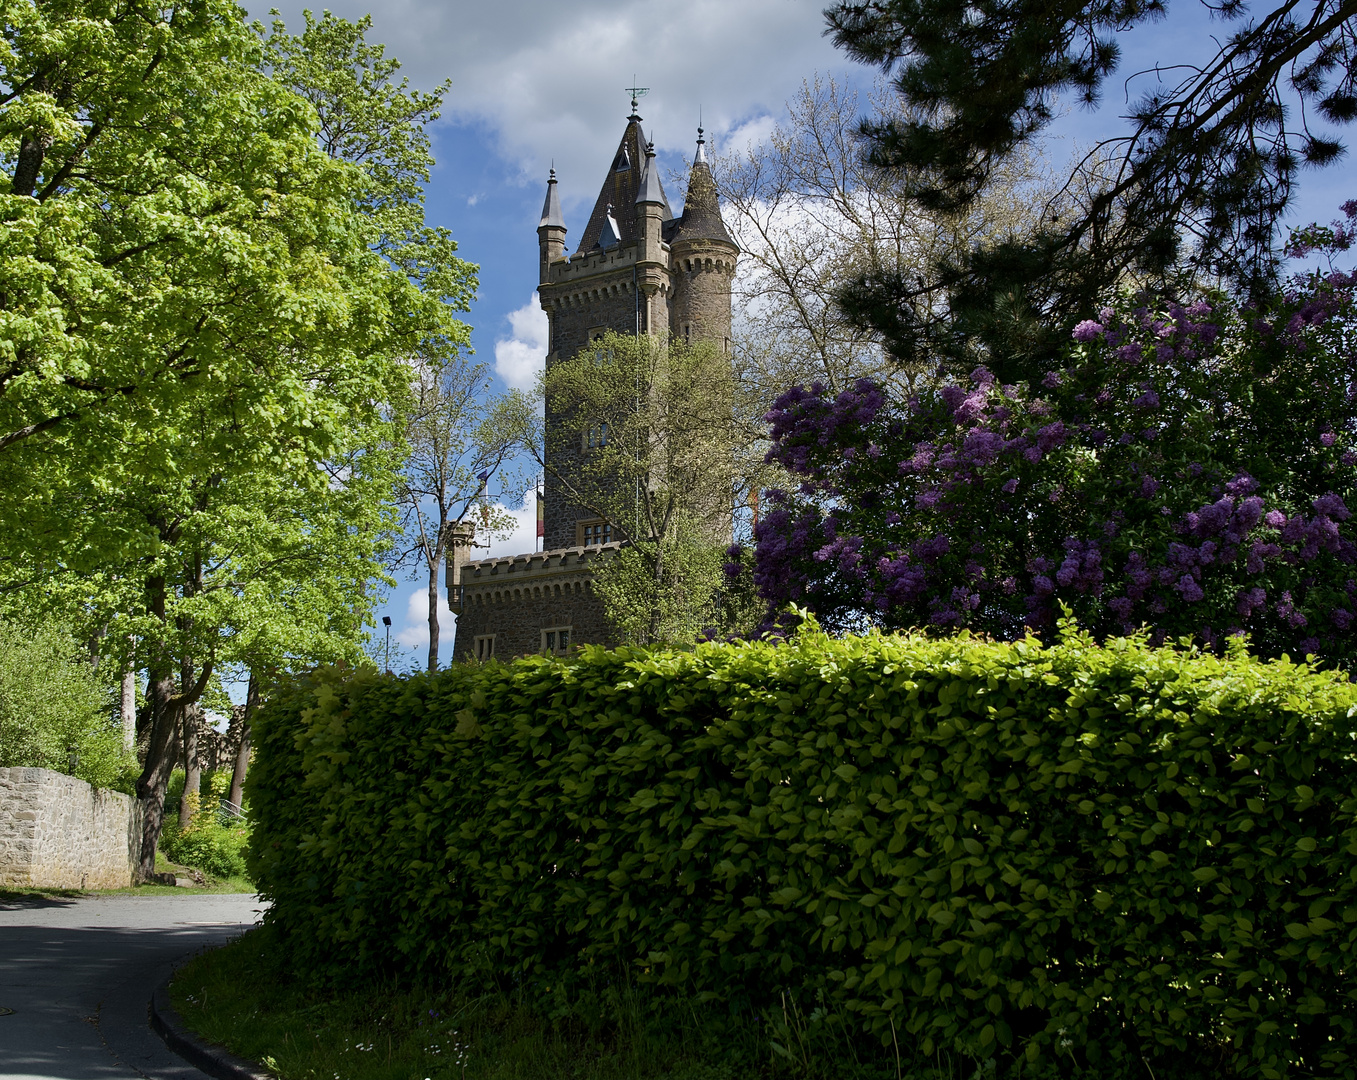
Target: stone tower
point(638, 269)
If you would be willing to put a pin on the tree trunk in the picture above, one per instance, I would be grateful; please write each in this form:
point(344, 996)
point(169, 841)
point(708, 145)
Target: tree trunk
point(237, 794)
point(28, 166)
point(155, 776)
point(433, 613)
point(193, 772)
point(94, 645)
point(165, 709)
point(657, 585)
point(128, 708)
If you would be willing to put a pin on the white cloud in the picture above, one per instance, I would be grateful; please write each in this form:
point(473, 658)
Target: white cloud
point(415, 633)
point(524, 538)
point(520, 357)
point(750, 134)
point(548, 78)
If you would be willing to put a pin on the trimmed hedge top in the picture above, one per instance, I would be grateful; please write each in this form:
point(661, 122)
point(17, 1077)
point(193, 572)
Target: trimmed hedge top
point(1021, 852)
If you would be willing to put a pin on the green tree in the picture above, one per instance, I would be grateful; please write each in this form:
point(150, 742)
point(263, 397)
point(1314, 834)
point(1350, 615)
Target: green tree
point(651, 441)
point(454, 428)
point(372, 121)
point(460, 436)
point(54, 714)
point(205, 322)
point(1194, 189)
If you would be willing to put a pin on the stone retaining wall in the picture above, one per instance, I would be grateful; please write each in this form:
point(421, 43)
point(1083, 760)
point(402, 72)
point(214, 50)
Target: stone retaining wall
point(57, 832)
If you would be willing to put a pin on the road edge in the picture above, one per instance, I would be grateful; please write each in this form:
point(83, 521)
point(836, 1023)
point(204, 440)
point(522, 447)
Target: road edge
point(214, 1060)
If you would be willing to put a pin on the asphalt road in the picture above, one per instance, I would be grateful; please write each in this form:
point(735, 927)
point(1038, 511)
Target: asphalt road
point(79, 976)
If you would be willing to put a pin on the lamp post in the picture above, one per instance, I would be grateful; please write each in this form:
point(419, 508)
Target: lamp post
point(386, 621)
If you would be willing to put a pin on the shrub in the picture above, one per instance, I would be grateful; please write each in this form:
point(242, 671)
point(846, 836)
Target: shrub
point(53, 712)
point(1188, 469)
point(207, 845)
point(212, 844)
point(1120, 855)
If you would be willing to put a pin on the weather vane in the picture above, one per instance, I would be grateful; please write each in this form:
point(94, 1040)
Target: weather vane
point(636, 93)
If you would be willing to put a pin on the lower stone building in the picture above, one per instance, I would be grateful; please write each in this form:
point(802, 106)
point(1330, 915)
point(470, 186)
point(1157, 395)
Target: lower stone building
point(543, 602)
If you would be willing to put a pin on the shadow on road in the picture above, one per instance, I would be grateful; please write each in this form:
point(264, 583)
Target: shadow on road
point(79, 972)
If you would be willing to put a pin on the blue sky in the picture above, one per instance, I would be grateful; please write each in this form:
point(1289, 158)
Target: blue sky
point(542, 81)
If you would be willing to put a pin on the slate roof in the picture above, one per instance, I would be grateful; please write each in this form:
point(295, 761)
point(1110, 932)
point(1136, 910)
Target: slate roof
point(619, 190)
point(652, 191)
point(551, 207)
point(622, 188)
point(701, 218)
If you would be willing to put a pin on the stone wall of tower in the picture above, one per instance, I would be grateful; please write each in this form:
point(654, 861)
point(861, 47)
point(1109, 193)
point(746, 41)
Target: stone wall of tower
point(591, 295)
point(702, 273)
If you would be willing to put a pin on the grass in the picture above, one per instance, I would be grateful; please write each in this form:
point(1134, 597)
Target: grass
point(241, 997)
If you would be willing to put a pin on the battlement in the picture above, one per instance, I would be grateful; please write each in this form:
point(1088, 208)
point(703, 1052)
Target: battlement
point(534, 564)
point(515, 599)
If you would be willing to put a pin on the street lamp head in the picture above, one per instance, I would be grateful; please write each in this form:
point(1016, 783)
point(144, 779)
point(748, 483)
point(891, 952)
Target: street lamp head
point(386, 620)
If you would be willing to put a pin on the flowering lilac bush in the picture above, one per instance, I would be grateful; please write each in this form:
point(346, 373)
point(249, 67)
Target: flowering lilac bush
point(1188, 469)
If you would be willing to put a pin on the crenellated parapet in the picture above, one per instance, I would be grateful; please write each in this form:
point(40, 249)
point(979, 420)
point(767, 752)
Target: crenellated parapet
point(515, 601)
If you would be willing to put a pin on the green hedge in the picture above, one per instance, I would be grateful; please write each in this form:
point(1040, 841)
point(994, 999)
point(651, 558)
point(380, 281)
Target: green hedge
point(1111, 857)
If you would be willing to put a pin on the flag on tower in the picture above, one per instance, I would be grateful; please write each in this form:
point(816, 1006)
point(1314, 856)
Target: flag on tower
point(541, 515)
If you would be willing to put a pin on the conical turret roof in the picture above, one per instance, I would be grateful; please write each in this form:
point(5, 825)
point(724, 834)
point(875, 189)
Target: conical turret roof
point(551, 207)
point(651, 189)
point(701, 219)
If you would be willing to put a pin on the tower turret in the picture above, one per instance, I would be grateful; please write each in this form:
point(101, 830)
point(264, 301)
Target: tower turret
point(652, 264)
point(702, 258)
point(551, 230)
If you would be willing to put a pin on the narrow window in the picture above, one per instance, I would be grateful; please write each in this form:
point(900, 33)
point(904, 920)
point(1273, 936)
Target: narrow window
point(595, 435)
point(485, 646)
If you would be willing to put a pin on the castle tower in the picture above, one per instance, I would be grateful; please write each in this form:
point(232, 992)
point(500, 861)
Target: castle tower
point(638, 269)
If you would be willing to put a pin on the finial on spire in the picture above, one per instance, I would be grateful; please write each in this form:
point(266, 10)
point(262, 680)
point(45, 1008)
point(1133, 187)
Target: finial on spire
point(701, 155)
point(636, 92)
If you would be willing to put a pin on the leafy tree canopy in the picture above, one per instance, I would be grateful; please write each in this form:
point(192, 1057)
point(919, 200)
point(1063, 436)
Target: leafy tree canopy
point(1194, 188)
point(210, 293)
point(53, 712)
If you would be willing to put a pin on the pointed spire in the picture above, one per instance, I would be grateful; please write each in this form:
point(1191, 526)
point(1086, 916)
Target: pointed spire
point(651, 191)
point(619, 189)
point(701, 219)
point(701, 154)
point(551, 208)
